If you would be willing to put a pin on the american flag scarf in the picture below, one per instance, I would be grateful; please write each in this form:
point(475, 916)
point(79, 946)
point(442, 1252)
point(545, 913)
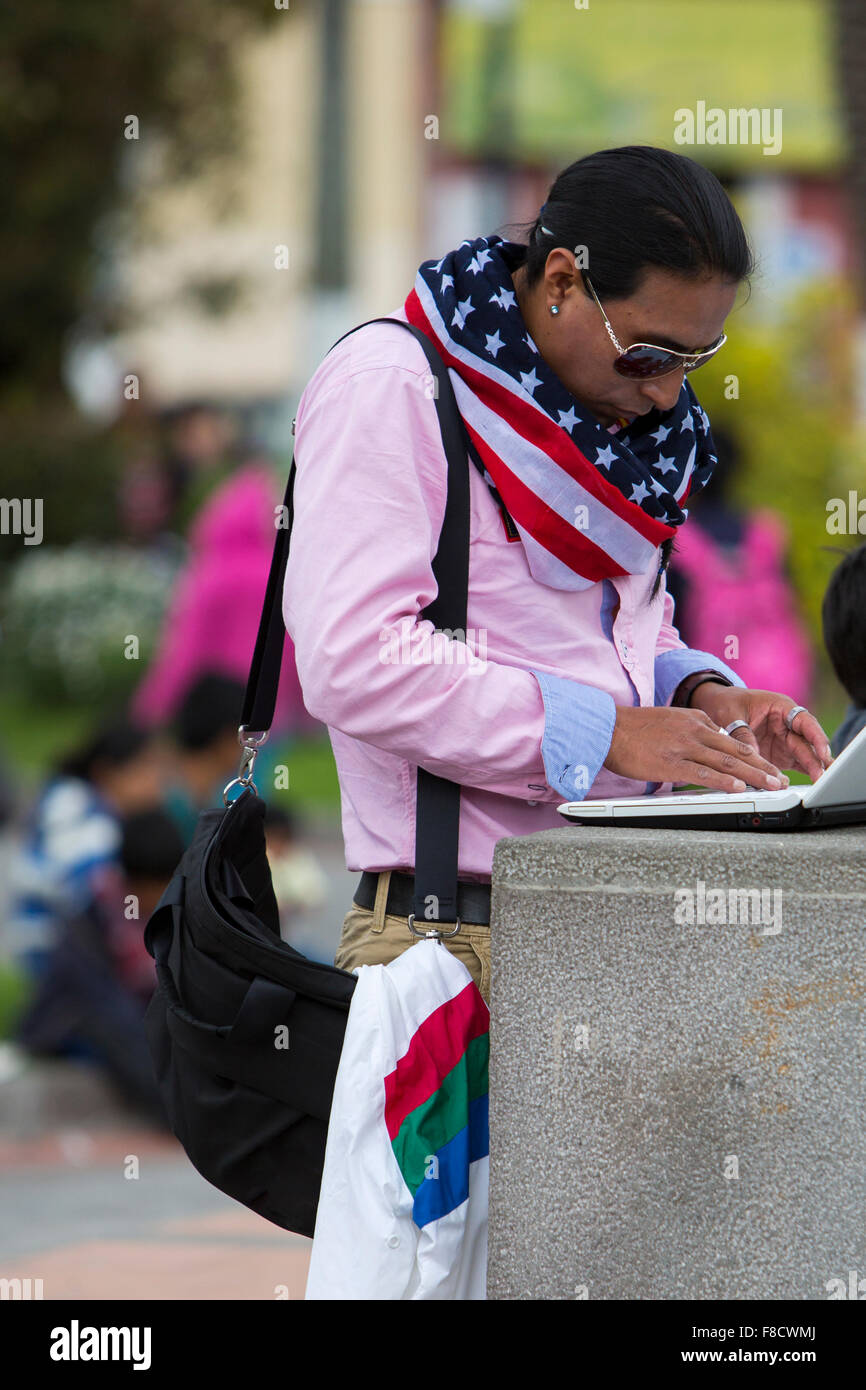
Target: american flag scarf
point(587, 504)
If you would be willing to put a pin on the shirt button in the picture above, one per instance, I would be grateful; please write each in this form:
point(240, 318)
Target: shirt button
point(393, 1241)
point(532, 803)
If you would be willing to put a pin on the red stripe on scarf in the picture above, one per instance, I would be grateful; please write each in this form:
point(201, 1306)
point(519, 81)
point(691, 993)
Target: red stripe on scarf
point(539, 429)
point(557, 535)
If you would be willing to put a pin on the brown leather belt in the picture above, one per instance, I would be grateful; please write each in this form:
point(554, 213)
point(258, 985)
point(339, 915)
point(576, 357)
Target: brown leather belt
point(473, 899)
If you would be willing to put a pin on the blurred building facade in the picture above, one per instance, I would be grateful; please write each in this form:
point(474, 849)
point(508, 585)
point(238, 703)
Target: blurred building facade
point(382, 132)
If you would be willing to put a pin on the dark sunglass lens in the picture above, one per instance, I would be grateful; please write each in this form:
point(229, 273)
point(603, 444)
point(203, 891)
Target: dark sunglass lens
point(646, 362)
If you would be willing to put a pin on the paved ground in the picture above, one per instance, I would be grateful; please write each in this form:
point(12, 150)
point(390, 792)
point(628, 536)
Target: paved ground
point(97, 1207)
point(71, 1217)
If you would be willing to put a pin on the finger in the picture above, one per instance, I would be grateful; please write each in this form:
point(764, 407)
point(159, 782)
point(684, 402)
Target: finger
point(736, 750)
point(747, 736)
point(702, 775)
point(806, 727)
point(803, 756)
point(724, 771)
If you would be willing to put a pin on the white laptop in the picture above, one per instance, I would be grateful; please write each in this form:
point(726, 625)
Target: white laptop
point(837, 798)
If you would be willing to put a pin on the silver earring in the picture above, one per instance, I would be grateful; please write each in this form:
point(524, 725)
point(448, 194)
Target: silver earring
point(554, 308)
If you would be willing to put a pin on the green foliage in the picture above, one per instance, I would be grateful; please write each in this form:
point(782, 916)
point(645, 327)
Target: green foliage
point(71, 75)
point(73, 468)
point(15, 992)
point(313, 781)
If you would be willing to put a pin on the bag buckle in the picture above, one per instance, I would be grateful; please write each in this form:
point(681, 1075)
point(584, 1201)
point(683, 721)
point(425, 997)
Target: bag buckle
point(250, 745)
point(433, 932)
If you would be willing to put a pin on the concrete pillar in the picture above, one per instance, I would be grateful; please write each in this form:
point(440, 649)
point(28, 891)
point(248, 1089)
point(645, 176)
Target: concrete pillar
point(678, 1107)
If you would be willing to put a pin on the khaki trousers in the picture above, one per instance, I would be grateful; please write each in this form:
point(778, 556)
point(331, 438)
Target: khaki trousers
point(371, 936)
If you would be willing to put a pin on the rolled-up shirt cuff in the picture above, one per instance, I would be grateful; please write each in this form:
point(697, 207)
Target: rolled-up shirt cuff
point(578, 727)
point(673, 666)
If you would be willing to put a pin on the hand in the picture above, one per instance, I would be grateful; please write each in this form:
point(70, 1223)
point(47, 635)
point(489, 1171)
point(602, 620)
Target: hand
point(806, 748)
point(660, 744)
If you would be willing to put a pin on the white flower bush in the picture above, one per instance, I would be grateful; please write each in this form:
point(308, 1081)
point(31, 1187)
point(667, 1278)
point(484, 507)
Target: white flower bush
point(68, 614)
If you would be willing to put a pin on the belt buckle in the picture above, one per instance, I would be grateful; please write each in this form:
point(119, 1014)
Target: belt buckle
point(433, 933)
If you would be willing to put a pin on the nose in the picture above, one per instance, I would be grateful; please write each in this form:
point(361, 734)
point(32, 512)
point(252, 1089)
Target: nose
point(662, 391)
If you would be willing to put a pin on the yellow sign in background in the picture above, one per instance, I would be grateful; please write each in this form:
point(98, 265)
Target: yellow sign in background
point(542, 79)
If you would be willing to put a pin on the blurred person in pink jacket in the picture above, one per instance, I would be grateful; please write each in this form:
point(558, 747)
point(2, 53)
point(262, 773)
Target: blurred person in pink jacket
point(213, 618)
point(732, 587)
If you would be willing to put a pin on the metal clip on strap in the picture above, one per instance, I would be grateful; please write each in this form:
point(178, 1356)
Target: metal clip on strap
point(433, 932)
point(250, 746)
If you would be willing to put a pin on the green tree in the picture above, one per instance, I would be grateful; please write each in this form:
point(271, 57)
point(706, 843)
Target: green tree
point(70, 75)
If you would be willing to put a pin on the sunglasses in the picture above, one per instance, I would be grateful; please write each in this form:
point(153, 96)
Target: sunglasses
point(646, 359)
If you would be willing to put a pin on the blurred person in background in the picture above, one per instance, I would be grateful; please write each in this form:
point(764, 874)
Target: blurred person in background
point(91, 996)
point(7, 788)
point(205, 761)
point(144, 494)
point(206, 755)
point(728, 580)
point(172, 463)
point(69, 852)
point(213, 618)
point(201, 452)
point(843, 615)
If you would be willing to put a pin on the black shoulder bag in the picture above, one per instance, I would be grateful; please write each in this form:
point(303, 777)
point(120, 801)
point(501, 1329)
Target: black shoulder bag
point(244, 1031)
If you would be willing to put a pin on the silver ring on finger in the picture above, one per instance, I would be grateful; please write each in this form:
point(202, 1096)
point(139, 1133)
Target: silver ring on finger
point(792, 715)
point(736, 724)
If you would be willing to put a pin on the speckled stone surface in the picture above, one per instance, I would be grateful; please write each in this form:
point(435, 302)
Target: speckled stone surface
point(678, 1110)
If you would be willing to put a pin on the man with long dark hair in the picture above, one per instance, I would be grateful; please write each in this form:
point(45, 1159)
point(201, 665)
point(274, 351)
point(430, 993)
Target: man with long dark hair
point(570, 357)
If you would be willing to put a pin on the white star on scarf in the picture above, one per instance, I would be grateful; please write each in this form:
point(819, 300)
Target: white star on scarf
point(638, 492)
point(529, 381)
point(657, 487)
point(447, 282)
point(686, 425)
point(493, 342)
point(507, 300)
point(664, 465)
point(568, 419)
point(661, 434)
point(464, 307)
point(605, 456)
point(474, 267)
point(530, 344)
point(482, 256)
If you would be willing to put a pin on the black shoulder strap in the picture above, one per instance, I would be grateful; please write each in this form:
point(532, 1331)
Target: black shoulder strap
point(438, 800)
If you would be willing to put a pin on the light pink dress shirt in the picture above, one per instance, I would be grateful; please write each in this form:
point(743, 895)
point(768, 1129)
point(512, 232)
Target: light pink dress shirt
point(369, 501)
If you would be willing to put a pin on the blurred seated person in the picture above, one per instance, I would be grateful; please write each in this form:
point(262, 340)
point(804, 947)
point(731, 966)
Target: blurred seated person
point(213, 616)
point(91, 997)
point(730, 587)
point(72, 834)
point(207, 756)
point(843, 615)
